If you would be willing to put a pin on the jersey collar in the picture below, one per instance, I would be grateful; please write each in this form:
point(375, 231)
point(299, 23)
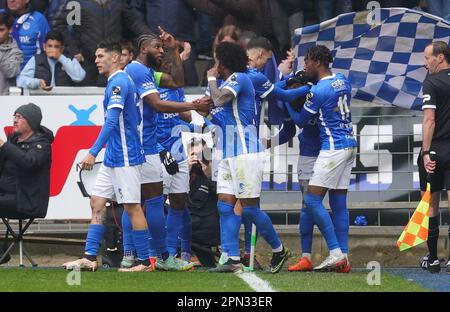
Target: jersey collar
point(329, 77)
point(119, 71)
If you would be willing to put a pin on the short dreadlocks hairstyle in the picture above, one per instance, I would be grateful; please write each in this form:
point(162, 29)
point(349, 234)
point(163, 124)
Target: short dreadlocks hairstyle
point(232, 56)
point(320, 53)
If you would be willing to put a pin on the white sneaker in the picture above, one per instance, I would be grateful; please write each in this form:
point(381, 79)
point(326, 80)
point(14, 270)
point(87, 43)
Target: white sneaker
point(447, 267)
point(223, 259)
point(81, 264)
point(332, 263)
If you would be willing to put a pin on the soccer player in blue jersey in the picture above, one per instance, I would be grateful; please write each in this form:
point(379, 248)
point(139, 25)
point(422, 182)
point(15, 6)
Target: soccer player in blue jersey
point(330, 98)
point(259, 51)
point(240, 171)
point(150, 54)
point(120, 172)
point(175, 182)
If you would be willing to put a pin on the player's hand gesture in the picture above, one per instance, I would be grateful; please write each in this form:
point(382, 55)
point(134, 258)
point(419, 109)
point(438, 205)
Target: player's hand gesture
point(167, 39)
point(186, 51)
point(213, 72)
point(88, 162)
point(203, 105)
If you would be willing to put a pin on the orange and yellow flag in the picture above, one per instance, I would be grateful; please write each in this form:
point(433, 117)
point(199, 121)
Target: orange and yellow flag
point(416, 231)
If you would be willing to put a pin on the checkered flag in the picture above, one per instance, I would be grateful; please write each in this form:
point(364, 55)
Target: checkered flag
point(383, 61)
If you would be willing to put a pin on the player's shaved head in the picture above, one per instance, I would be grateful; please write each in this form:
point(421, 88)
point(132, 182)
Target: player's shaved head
point(259, 43)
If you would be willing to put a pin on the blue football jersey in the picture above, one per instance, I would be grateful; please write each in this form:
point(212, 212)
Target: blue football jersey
point(309, 138)
point(263, 87)
point(236, 118)
point(144, 80)
point(124, 147)
point(170, 125)
point(330, 99)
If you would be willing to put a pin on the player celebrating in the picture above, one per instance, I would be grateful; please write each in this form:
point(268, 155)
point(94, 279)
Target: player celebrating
point(330, 98)
point(150, 54)
point(241, 169)
point(119, 174)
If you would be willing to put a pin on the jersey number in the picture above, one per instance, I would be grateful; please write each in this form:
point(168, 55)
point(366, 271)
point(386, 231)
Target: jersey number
point(343, 106)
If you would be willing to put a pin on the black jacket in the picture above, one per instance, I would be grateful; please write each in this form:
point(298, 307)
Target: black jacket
point(112, 20)
point(202, 203)
point(25, 170)
point(42, 71)
point(174, 16)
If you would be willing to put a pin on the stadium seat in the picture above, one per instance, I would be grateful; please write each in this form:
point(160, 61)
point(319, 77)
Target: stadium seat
point(17, 238)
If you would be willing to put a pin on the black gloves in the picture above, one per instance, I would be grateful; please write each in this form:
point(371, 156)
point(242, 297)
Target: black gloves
point(299, 79)
point(169, 162)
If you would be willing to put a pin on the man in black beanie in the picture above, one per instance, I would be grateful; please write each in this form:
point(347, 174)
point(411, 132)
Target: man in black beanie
point(25, 160)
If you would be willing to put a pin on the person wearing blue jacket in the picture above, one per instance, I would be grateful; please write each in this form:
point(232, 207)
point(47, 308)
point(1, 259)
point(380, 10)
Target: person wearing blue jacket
point(29, 29)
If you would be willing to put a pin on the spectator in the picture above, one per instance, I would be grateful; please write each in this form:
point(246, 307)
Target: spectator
point(359, 5)
point(25, 160)
point(30, 28)
point(327, 9)
point(204, 47)
point(264, 17)
point(10, 54)
point(51, 68)
point(178, 19)
point(100, 20)
point(294, 11)
point(439, 8)
point(127, 53)
point(229, 33)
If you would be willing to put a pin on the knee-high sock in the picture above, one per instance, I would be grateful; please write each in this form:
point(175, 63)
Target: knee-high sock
point(141, 243)
point(338, 205)
point(322, 219)
point(263, 224)
point(186, 233)
point(127, 233)
point(223, 242)
point(231, 224)
point(174, 229)
point(433, 236)
point(94, 239)
point(306, 230)
point(247, 232)
point(156, 221)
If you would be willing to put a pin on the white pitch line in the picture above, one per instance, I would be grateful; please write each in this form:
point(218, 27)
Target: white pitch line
point(256, 283)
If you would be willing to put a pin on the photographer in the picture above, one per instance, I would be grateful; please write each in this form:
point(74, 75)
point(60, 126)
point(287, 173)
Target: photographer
point(202, 203)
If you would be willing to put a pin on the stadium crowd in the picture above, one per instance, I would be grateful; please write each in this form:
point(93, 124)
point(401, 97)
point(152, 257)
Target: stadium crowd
point(150, 49)
point(192, 21)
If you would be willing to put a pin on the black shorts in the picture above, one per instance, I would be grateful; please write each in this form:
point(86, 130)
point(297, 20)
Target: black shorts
point(440, 179)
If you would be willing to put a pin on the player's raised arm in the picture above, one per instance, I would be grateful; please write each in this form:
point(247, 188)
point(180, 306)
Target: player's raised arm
point(219, 97)
point(174, 79)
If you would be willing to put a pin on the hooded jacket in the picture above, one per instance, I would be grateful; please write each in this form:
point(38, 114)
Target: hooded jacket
point(25, 172)
point(10, 59)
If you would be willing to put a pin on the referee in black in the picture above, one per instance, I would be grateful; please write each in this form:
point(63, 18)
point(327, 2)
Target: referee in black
point(436, 138)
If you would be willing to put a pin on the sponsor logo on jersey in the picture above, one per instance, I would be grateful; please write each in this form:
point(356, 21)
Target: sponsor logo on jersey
point(170, 115)
point(24, 39)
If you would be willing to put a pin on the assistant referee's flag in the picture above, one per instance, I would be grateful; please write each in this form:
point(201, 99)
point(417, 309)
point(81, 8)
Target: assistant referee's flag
point(416, 231)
